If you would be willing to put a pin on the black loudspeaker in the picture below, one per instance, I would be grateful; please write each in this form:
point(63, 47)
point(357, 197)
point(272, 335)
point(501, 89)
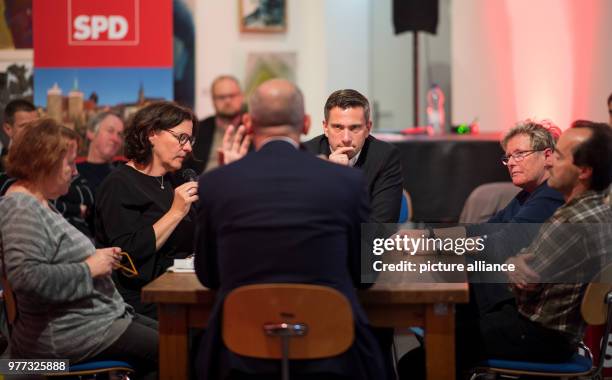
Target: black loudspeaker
point(415, 15)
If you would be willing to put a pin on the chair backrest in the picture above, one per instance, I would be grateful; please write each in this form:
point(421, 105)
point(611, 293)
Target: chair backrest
point(486, 200)
point(594, 307)
point(405, 208)
point(326, 313)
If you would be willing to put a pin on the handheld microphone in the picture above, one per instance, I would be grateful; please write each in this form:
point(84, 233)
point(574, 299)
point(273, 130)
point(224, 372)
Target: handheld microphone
point(189, 175)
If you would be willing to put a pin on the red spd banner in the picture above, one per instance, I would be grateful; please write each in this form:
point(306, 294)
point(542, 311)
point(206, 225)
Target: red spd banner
point(102, 33)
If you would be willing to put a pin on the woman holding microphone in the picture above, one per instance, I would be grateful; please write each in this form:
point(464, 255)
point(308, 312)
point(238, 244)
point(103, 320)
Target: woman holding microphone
point(137, 206)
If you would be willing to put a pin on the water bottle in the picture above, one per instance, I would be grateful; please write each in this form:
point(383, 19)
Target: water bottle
point(435, 109)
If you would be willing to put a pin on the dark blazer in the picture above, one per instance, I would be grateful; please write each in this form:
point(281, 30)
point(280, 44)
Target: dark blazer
point(282, 215)
point(381, 165)
point(511, 229)
point(204, 133)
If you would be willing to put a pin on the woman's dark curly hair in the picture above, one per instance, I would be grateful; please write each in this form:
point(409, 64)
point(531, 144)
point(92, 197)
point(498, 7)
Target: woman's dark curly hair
point(152, 118)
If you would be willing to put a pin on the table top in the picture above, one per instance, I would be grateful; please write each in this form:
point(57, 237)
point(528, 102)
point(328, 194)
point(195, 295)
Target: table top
point(184, 288)
point(398, 137)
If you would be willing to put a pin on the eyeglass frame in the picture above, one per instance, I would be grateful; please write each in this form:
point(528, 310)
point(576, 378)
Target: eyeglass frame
point(191, 139)
point(128, 271)
point(223, 97)
point(519, 156)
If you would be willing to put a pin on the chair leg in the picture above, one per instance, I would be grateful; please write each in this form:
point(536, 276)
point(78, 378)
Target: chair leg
point(483, 376)
point(285, 362)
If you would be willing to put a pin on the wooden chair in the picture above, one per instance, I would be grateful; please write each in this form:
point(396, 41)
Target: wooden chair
point(259, 321)
point(596, 309)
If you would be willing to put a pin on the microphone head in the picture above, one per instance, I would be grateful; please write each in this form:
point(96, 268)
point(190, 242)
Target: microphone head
point(189, 175)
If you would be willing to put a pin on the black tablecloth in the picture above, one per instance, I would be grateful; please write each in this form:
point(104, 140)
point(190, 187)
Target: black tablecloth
point(440, 172)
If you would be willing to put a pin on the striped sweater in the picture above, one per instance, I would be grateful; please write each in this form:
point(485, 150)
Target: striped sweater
point(62, 311)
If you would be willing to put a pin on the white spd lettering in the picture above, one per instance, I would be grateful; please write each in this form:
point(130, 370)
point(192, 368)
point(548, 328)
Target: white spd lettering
point(93, 27)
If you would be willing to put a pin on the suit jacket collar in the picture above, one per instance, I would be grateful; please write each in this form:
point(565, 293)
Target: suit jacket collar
point(277, 146)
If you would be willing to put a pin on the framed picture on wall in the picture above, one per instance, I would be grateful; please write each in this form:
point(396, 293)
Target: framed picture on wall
point(263, 16)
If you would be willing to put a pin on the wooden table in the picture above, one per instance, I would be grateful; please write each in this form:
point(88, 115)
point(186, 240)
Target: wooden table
point(393, 302)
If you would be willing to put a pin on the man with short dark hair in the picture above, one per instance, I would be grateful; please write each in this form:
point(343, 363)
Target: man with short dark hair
point(17, 114)
point(282, 215)
point(347, 141)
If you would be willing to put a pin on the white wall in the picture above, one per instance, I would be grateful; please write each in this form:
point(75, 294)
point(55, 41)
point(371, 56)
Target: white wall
point(348, 45)
point(321, 32)
point(514, 59)
point(391, 74)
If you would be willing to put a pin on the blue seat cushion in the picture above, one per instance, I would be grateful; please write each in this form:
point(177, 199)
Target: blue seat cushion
point(98, 365)
point(576, 364)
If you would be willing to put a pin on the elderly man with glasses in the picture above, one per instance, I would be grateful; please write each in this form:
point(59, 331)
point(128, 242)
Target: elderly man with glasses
point(529, 148)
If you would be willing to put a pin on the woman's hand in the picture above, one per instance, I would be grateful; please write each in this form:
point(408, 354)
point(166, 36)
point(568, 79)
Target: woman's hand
point(103, 261)
point(184, 196)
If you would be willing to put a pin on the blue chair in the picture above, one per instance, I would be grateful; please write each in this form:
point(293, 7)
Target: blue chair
point(405, 208)
point(92, 370)
point(596, 309)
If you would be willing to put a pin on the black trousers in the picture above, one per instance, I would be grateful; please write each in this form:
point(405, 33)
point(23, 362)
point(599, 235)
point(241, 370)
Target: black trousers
point(502, 333)
point(138, 346)
point(505, 334)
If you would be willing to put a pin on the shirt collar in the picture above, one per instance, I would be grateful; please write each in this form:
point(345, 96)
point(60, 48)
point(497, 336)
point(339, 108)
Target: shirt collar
point(353, 160)
point(280, 138)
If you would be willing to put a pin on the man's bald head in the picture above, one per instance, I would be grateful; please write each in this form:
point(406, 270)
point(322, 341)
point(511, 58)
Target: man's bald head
point(277, 102)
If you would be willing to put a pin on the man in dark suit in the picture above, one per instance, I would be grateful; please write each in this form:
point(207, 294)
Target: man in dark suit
point(17, 114)
point(216, 131)
point(282, 215)
point(347, 141)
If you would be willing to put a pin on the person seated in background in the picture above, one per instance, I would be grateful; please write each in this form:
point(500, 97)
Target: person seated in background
point(105, 135)
point(137, 206)
point(67, 304)
point(216, 132)
point(347, 141)
point(528, 148)
point(17, 114)
point(282, 215)
point(545, 323)
point(72, 205)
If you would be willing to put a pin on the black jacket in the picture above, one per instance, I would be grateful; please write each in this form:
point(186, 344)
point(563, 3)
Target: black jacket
point(381, 165)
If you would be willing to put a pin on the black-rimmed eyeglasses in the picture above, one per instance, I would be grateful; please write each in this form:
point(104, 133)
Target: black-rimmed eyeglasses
point(518, 156)
point(182, 138)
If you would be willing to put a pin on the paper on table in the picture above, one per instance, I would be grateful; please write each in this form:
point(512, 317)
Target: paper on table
point(182, 265)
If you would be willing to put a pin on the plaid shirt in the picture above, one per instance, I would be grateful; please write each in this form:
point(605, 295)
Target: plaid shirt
point(569, 250)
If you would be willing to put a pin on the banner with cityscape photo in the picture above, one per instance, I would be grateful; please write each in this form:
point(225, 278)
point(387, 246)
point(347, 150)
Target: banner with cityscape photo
point(99, 55)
